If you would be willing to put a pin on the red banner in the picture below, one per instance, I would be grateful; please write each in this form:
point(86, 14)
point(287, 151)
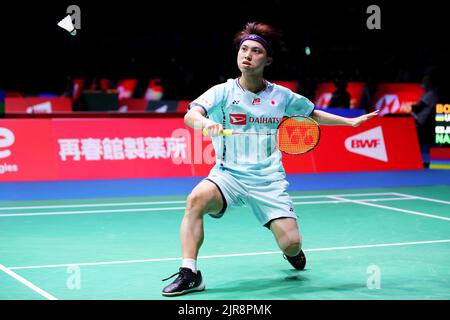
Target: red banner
point(290, 84)
point(37, 105)
point(380, 144)
point(60, 149)
point(394, 98)
point(131, 104)
point(325, 90)
point(27, 151)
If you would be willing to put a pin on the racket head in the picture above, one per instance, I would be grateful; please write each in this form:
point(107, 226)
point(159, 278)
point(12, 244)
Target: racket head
point(297, 134)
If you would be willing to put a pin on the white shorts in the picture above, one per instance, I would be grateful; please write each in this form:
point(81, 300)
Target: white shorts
point(268, 201)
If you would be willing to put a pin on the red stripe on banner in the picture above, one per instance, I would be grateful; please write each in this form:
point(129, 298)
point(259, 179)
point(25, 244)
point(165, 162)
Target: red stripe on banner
point(440, 153)
point(37, 105)
point(103, 148)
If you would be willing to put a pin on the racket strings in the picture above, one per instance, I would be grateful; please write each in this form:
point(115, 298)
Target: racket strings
point(298, 135)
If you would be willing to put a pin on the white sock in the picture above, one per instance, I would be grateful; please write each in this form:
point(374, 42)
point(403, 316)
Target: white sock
point(189, 263)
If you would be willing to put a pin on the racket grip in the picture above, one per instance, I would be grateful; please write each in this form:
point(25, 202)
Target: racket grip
point(227, 132)
point(224, 132)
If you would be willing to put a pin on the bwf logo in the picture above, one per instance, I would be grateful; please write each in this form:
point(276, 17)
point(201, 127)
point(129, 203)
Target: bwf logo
point(369, 143)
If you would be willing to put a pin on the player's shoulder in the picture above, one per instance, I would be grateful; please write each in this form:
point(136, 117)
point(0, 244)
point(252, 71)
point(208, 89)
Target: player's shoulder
point(224, 86)
point(231, 84)
point(290, 96)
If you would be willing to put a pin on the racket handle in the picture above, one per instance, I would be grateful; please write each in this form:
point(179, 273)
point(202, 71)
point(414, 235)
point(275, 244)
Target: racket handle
point(224, 132)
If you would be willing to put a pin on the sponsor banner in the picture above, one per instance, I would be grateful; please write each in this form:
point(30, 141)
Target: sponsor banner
point(162, 105)
point(396, 98)
point(132, 104)
point(343, 112)
point(123, 148)
point(380, 144)
point(142, 105)
point(59, 149)
point(37, 105)
point(325, 90)
point(27, 151)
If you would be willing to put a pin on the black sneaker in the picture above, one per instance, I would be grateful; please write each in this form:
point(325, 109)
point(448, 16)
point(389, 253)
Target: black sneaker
point(187, 281)
point(298, 261)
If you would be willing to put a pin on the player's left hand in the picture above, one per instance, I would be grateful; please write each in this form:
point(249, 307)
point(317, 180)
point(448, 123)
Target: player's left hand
point(358, 120)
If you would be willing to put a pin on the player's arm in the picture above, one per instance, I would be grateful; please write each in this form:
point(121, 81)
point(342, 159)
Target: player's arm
point(195, 118)
point(326, 118)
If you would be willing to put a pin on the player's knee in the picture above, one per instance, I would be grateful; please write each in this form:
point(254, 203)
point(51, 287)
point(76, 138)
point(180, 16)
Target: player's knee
point(292, 248)
point(292, 243)
point(196, 203)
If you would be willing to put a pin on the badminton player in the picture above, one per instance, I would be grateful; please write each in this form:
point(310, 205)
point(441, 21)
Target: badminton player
point(248, 170)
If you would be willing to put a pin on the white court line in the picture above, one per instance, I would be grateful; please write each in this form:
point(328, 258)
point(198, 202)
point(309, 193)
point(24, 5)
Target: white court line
point(345, 195)
point(394, 209)
point(87, 211)
point(421, 198)
point(347, 201)
point(112, 204)
point(230, 255)
point(27, 283)
point(172, 208)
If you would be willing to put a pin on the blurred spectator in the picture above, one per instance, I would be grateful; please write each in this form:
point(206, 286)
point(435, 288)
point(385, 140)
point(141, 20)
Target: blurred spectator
point(340, 98)
point(423, 110)
point(128, 88)
point(154, 90)
point(101, 84)
point(368, 94)
point(74, 86)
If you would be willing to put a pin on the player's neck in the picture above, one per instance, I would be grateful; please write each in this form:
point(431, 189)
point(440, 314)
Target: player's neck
point(252, 84)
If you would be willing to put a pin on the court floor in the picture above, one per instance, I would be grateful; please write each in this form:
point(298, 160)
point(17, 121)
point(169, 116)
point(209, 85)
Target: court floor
point(372, 243)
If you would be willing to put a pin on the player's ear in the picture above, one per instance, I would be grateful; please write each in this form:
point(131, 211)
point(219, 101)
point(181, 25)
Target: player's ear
point(269, 61)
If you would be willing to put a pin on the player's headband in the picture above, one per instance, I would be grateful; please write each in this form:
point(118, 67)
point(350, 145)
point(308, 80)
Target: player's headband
point(257, 38)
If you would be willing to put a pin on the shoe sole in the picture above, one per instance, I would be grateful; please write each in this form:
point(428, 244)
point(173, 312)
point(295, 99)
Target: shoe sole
point(201, 287)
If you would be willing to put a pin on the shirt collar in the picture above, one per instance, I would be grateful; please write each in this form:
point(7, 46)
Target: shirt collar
point(266, 83)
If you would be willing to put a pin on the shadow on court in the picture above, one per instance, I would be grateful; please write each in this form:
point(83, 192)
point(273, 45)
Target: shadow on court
point(294, 285)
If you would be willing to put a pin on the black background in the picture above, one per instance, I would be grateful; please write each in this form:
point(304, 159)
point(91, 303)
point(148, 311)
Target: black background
point(189, 43)
point(194, 39)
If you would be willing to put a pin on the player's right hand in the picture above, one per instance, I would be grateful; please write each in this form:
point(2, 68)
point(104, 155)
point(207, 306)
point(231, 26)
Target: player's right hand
point(214, 128)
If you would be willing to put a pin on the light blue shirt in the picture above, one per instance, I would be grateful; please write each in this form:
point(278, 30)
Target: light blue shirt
point(253, 159)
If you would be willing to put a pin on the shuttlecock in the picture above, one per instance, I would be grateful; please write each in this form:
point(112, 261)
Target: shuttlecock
point(67, 24)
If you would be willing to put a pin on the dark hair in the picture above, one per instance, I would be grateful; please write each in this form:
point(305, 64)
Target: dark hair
point(269, 33)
